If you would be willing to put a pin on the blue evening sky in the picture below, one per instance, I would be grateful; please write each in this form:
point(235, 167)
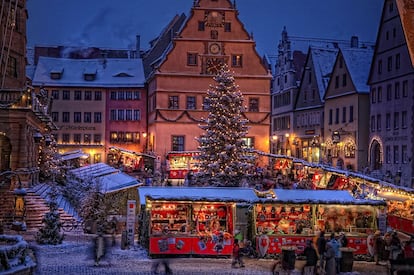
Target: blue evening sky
point(110, 23)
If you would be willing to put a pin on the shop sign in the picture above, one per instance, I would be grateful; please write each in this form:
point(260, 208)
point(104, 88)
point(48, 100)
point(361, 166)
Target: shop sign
point(336, 137)
point(130, 224)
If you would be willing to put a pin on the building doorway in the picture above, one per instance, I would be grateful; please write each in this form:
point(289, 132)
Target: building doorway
point(376, 156)
point(5, 153)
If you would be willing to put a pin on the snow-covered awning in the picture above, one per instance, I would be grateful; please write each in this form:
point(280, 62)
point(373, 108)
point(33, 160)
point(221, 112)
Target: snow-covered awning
point(208, 194)
point(317, 197)
point(130, 152)
point(73, 155)
point(117, 182)
point(111, 179)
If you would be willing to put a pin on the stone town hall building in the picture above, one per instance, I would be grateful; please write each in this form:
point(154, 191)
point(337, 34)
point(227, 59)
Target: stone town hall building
point(180, 67)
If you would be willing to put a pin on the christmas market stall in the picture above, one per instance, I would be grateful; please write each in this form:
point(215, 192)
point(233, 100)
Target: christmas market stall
point(287, 218)
point(179, 164)
point(190, 221)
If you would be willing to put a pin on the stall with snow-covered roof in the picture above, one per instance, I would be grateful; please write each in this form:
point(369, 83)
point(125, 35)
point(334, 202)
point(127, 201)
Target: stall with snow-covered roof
point(190, 220)
point(180, 164)
point(287, 218)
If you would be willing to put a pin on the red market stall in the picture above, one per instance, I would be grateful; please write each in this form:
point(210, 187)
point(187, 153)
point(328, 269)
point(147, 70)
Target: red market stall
point(287, 218)
point(180, 163)
point(190, 220)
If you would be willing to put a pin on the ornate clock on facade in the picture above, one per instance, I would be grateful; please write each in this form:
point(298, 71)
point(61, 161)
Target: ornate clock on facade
point(213, 65)
point(214, 19)
point(214, 48)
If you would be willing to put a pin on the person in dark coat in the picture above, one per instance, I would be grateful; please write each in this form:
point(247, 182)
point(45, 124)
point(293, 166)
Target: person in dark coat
point(237, 256)
point(321, 246)
point(311, 257)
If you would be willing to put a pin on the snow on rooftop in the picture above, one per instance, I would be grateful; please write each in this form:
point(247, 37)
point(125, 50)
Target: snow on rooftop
point(110, 72)
point(323, 61)
point(358, 62)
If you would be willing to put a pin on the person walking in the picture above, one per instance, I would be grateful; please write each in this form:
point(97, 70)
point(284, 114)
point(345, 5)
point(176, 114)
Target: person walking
point(321, 246)
point(237, 257)
point(311, 259)
point(338, 253)
point(330, 263)
point(378, 247)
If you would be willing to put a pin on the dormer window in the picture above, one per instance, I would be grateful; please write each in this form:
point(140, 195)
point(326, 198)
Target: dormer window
point(89, 75)
point(56, 73)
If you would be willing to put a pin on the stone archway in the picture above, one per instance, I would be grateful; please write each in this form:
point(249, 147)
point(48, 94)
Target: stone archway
point(376, 156)
point(5, 153)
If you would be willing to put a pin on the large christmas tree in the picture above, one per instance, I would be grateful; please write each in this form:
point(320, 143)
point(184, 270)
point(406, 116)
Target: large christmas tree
point(224, 159)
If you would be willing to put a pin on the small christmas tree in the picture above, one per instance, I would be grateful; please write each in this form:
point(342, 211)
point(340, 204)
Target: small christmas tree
point(224, 159)
point(50, 233)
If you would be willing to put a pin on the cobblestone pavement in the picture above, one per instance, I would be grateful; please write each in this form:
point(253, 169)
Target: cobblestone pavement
point(75, 257)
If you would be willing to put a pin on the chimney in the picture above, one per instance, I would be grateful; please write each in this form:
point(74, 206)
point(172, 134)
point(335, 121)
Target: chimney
point(354, 42)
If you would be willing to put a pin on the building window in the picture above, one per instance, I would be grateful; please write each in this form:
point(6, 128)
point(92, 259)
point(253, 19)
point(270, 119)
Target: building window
point(120, 95)
point(343, 114)
point(227, 26)
point(373, 95)
point(12, 67)
point(205, 104)
point(137, 115)
point(177, 143)
point(336, 81)
point(330, 116)
point(396, 154)
point(389, 92)
point(77, 117)
point(55, 116)
point(77, 138)
point(404, 119)
point(237, 60)
point(389, 63)
point(379, 95)
point(191, 102)
point(405, 88)
point(344, 80)
point(112, 115)
point(173, 102)
point(87, 117)
point(341, 62)
point(388, 121)
point(249, 142)
point(253, 104)
point(121, 114)
point(372, 123)
point(336, 115)
point(87, 138)
point(380, 67)
point(388, 154)
point(136, 95)
point(201, 26)
point(65, 117)
point(113, 137)
point(98, 95)
point(128, 137)
point(396, 120)
point(88, 95)
point(351, 113)
point(397, 90)
point(97, 117)
point(378, 123)
point(191, 59)
point(112, 95)
point(397, 61)
point(78, 95)
point(137, 137)
point(404, 154)
point(214, 34)
point(55, 94)
point(65, 138)
point(65, 95)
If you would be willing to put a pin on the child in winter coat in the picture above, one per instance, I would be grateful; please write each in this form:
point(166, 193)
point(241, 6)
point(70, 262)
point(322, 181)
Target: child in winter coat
point(237, 257)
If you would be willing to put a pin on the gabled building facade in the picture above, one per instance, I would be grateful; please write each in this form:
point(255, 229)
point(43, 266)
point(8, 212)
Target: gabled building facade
point(184, 69)
point(97, 104)
point(286, 79)
point(309, 105)
point(346, 109)
point(392, 86)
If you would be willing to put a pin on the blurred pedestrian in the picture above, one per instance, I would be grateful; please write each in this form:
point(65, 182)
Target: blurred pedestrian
point(395, 247)
point(378, 247)
point(343, 240)
point(311, 259)
point(321, 246)
point(330, 263)
point(337, 249)
point(162, 261)
point(237, 257)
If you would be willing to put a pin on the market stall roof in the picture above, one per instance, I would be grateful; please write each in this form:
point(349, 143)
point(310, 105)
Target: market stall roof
point(211, 194)
point(73, 155)
point(117, 182)
point(112, 179)
point(126, 151)
point(317, 196)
